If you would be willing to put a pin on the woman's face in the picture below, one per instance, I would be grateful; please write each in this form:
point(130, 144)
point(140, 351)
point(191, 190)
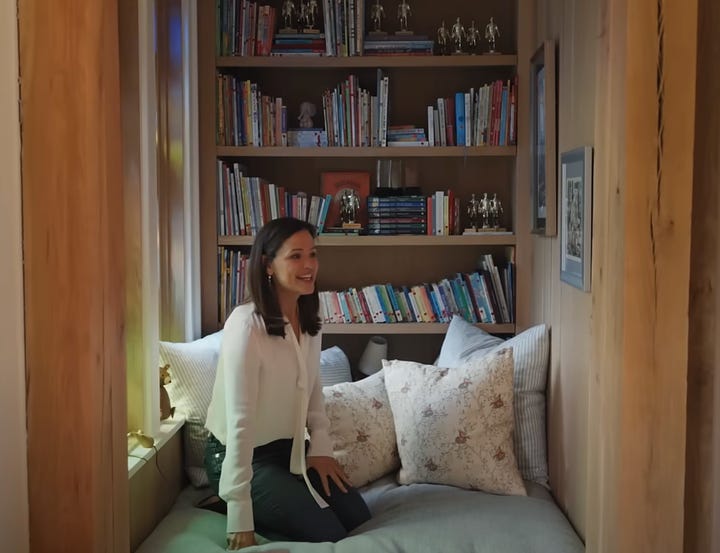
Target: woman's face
point(295, 266)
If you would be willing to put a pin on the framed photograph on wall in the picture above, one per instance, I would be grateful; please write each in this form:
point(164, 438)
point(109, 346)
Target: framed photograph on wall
point(576, 217)
point(543, 140)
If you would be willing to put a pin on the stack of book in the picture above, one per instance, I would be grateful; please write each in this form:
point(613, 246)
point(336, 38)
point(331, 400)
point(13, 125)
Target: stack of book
point(244, 28)
point(406, 135)
point(398, 45)
point(396, 215)
point(298, 44)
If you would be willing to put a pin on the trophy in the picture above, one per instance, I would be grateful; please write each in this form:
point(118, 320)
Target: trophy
point(473, 38)
point(495, 210)
point(288, 15)
point(349, 209)
point(443, 40)
point(308, 16)
point(403, 14)
point(377, 14)
point(457, 35)
point(473, 211)
point(491, 34)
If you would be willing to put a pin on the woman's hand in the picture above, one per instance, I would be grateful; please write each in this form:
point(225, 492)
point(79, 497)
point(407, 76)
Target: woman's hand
point(238, 540)
point(328, 467)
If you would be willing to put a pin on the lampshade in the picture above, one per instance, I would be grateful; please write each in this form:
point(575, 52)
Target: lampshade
point(371, 359)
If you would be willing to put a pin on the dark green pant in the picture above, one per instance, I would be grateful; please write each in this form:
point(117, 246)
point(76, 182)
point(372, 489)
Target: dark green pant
point(282, 504)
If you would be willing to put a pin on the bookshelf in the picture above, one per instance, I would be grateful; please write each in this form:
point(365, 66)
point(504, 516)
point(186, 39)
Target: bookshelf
point(416, 82)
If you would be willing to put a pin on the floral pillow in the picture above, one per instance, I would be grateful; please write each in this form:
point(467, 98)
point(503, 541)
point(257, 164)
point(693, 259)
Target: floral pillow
point(362, 429)
point(456, 426)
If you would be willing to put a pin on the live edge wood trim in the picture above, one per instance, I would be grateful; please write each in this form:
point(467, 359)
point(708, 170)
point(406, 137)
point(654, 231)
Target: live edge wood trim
point(74, 275)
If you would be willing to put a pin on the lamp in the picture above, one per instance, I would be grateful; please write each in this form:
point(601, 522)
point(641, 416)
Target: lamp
point(371, 359)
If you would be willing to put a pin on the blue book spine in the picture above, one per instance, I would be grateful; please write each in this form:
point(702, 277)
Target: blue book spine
point(460, 119)
point(503, 117)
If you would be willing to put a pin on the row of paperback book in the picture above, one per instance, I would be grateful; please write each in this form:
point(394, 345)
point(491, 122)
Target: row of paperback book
point(246, 203)
point(483, 296)
point(246, 117)
point(244, 28)
point(478, 297)
point(354, 117)
point(247, 28)
point(478, 117)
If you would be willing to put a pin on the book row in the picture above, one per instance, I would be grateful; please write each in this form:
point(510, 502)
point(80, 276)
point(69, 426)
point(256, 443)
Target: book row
point(478, 117)
point(246, 203)
point(246, 28)
point(483, 296)
point(354, 117)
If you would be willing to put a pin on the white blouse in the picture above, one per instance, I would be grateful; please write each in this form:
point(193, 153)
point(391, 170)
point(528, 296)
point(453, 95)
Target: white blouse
point(267, 388)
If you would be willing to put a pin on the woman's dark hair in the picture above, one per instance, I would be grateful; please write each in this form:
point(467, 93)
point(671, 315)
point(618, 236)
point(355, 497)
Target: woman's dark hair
point(268, 241)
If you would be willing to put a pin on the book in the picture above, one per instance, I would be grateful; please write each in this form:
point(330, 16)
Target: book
point(335, 183)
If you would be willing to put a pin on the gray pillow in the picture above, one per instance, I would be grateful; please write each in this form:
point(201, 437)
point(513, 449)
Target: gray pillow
point(531, 349)
point(334, 366)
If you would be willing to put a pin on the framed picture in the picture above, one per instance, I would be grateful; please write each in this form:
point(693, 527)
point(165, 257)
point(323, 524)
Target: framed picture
point(576, 217)
point(543, 140)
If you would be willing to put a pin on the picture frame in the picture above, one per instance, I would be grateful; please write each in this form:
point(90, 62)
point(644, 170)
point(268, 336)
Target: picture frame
point(543, 140)
point(576, 169)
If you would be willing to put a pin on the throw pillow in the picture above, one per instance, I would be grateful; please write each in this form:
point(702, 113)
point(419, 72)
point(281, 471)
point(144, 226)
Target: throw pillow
point(362, 429)
point(334, 366)
point(531, 349)
point(455, 426)
point(192, 368)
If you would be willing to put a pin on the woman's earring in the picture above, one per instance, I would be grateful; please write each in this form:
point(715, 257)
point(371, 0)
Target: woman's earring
point(269, 279)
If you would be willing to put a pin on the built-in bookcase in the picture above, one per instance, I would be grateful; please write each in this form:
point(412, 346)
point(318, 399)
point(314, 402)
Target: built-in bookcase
point(415, 83)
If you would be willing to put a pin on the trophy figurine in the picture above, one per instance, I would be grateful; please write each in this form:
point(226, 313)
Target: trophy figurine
point(457, 35)
point(349, 209)
point(495, 211)
point(484, 211)
point(473, 38)
point(491, 34)
point(377, 14)
point(307, 17)
point(288, 15)
point(443, 40)
point(403, 14)
point(473, 211)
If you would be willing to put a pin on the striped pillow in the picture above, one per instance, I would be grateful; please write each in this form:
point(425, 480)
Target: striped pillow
point(465, 342)
point(192, 369)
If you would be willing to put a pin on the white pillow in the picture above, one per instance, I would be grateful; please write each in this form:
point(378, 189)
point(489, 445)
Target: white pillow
point(455, 426)
point(531, 349)
point(334, 366)
point(192, 369)
point(362, 429)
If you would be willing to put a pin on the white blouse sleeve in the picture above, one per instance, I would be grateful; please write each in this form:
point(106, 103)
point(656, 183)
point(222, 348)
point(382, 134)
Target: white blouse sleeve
point(241, 363)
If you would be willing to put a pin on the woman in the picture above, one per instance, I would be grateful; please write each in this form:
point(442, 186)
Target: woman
point(267, 390)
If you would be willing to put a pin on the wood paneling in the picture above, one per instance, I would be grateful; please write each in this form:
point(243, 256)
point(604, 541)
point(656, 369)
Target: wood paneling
point(154, 488)
point(13, 459)
point(573, 26)
point(74, 275)
point(661, 56)
point(702, 499)
point(607, 289)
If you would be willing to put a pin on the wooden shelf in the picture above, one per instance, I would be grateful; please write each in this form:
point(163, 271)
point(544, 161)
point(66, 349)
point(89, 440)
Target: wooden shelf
point(328, 62)
point(401, 240)
point(408, 328)
point(372, 152)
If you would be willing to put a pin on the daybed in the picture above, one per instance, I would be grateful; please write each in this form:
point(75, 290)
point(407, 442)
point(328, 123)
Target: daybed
point(395, 420)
